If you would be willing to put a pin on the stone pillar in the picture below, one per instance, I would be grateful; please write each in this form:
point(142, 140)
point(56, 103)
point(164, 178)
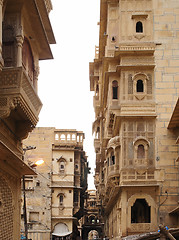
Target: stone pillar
point(20, 40)
point(36, 74)
point(124, 213)
point(1, 59)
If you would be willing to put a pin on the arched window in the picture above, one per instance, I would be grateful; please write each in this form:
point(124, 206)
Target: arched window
point(68, 137)
point(56, 136)
point(62, 166)
point(140, 86)
point(115, 89)
point(140, 212)
point(140, 151)
point(139, 27)
point(92, 219)
point(62, 137)
point(73, 137)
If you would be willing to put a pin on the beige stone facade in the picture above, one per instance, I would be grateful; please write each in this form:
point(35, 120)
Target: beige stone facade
point(55, 197)
point(23, 25)
point(135, 77)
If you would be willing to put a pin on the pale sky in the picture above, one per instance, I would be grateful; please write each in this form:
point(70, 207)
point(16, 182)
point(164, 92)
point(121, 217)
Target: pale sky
point(64, 86)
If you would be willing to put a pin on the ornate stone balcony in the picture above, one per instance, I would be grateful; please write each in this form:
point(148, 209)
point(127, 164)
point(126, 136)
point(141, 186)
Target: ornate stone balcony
point(113, 171)
point(142, 175)
point(68, 138)
point(18, 96)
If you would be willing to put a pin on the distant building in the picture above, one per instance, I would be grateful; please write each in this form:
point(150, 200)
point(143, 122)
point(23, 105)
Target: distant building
point(92, 222)
point(55, 197)
point(135, 79)
point(25, 36)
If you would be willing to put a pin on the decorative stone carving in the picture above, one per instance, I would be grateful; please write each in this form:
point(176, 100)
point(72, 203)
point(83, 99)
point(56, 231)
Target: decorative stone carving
point(6, 106)
point(114, 142)
point(17, 92)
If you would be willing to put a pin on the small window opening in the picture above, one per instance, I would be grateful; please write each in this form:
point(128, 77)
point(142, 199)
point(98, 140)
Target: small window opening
point(140, 212)
point(37, 183)
point(115, 89)
point(113, 39)
point(76, 196)
point(140, 86)
point(140, 151)
point(112, 159)
point(92, 219)
point(97, 90)
point(62, 166)
point(139, 27)
point(61, 199)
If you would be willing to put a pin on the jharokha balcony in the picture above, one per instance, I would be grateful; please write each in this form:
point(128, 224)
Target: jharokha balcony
point(18, 98)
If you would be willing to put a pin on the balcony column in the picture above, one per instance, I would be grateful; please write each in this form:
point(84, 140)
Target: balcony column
point(36, 74)
point(20, 40)
point(1, 20)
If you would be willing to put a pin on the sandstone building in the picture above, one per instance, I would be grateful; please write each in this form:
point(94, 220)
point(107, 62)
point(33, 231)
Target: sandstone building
point(55, 197)
point(135, 79)
point(25, 35)
point(92, 223)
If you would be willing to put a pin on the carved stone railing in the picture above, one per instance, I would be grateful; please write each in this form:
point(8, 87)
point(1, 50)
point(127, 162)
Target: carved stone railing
point(113, 170)
point(140, 227)
point(68, 138)
point(17, 93)
point(137, 48)
point(137, 175)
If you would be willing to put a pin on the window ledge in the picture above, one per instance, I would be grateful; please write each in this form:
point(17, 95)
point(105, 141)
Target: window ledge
point(139, 15)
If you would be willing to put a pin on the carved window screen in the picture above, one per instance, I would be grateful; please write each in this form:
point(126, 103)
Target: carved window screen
point(27, 59)
point(8, 47)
